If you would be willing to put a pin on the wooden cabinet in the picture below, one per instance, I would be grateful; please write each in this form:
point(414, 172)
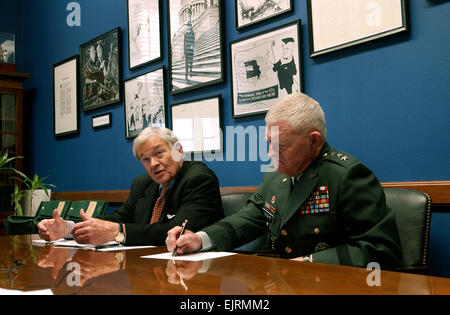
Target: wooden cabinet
point(11, 131)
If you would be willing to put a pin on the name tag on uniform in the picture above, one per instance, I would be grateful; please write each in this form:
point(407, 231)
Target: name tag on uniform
point(269, 212)
point(317, 202)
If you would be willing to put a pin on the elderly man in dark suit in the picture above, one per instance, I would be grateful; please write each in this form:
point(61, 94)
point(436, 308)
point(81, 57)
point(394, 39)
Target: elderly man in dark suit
point(173, 190)
point(321, 204)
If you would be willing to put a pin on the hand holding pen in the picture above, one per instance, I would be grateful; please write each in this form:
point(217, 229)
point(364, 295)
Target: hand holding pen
point(183, 227)
point(182, 241)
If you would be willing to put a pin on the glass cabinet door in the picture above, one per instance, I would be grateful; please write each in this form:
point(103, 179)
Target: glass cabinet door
point(8, 141)
point(8, 123)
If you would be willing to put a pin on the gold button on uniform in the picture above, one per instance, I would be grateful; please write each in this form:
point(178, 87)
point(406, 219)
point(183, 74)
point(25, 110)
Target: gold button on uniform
point(288, 250)
point(284, 232)
point(316, 230)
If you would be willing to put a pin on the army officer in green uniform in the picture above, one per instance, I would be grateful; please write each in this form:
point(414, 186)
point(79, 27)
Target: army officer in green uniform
point(322, 205)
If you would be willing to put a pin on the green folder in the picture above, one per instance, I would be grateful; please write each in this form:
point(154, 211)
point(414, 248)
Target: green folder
point(93, 208)
point(20, 225)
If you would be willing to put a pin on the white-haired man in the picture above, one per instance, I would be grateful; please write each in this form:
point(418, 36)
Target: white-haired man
point(173, 190)
point(321, 205)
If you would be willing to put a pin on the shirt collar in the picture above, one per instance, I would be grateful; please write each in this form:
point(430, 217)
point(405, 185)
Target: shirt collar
point(161, 186)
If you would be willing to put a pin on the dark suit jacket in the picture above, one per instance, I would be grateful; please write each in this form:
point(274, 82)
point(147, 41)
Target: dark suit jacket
point(195, 196)
point(337, 212)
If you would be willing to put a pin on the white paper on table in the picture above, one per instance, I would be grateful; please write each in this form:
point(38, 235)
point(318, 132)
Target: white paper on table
point(74, 244)
point(18, 292)
point(190, 257)
point(121, 247)
point(110, 246)
point(44, 242)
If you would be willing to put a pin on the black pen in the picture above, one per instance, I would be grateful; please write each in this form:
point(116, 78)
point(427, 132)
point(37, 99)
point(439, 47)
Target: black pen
point(96, 247)
point(181, 233)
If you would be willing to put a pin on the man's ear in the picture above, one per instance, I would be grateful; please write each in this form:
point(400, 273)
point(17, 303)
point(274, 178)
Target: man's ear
point(177, 152)
point(316, 141)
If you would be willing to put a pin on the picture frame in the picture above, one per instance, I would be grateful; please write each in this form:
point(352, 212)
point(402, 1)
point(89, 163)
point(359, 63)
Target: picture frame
point(334, 25)
point(7, 48)
point(145, 102)
point(102, 121)
point(195, 44)
point(101, 70)
point(66, 101)
point(198, 124)
point(265, 67)
point(249, 12)
point(144, 32)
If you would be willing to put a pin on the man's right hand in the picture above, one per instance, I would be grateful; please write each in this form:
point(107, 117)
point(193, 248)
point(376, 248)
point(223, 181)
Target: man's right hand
point(53, 229)
point(189, 242)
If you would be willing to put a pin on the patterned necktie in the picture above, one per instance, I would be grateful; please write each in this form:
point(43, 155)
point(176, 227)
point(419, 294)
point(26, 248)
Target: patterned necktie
point(159, 206)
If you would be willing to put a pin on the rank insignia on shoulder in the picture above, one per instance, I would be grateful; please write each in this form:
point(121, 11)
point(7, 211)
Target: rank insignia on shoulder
point(317, 202)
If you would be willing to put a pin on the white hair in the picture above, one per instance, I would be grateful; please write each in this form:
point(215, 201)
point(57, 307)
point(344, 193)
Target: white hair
point(165, 134)
point(301, 111)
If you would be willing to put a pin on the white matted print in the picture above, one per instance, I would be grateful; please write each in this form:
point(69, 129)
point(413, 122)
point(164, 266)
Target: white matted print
point(337, 24)
point(144, 32)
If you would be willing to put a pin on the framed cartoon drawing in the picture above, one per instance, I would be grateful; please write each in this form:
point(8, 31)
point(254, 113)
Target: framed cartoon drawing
point(249, 12)
point(264, 68)
point(145, 102)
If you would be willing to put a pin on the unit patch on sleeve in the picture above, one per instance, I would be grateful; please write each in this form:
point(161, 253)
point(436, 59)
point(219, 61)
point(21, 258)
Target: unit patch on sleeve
point(318, 202)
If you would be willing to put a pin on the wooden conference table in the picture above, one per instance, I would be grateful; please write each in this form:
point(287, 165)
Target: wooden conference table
point(26, 266)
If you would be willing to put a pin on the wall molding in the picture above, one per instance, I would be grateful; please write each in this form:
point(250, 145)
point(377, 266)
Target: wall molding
point(439, 192)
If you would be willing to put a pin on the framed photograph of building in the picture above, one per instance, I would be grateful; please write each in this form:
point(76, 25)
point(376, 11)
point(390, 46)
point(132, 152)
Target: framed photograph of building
point(66, 106)
point(195, 44)
point(337, 24)
point(265, 68)
point(101, 70)
point(145, 102)
point(249, 12)
point(197, 124)
point(144, 32)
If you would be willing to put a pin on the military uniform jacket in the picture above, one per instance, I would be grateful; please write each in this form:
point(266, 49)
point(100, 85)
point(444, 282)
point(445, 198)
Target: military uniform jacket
point(194, 195)
point(336, 212)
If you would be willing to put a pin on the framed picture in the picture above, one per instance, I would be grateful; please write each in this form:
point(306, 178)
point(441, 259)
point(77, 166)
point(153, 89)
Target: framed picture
point(197, 124)
point(102, 121)
point(265, 68)
point(249, 12)
point(66, 117)
point(7, 48)
point(144, 32)
point(337, 24)
point(145, 102)
point(195, 44)
point(101, 70)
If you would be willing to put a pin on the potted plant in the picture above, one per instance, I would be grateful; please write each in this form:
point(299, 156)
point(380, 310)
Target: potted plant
point(32, 187)
point(5, 160)
point(6, 172)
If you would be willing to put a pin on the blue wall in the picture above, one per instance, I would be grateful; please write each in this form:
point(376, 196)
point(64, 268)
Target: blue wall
point(386, 102)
